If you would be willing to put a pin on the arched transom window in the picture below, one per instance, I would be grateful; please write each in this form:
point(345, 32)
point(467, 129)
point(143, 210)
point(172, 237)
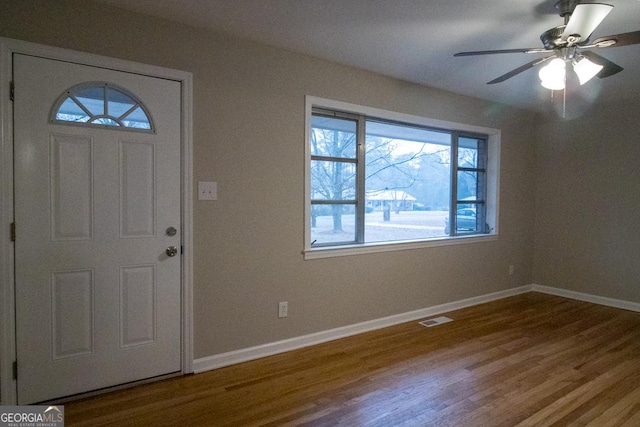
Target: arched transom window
point(101, 104)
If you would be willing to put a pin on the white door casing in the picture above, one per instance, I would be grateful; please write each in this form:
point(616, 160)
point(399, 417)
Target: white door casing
point(83, 325)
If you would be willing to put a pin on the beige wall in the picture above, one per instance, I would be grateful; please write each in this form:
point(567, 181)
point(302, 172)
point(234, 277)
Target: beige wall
point(249, 137)
point(588, 202)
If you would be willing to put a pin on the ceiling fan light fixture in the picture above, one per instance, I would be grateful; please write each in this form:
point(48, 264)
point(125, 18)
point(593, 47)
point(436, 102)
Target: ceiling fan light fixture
point(586, 69)
point(552, 75)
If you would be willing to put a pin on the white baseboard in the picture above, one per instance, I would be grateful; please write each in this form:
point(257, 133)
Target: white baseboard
point(580, 296)
point(269, 349)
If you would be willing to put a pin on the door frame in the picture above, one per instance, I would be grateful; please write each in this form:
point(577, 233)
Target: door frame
point(8, 386)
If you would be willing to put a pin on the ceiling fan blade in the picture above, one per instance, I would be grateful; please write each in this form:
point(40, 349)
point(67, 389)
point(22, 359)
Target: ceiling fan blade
point(520, 69)
point(585, 18)
point(623, 39)
point(609, 68)
point(492, 52)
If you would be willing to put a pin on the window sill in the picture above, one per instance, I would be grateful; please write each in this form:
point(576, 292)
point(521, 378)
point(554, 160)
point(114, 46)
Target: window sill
point(371, 248)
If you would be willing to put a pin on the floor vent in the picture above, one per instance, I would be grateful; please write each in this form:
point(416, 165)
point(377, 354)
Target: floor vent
point(435, 321)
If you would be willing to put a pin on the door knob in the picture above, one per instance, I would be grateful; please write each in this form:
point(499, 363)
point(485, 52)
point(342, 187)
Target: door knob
point(172, 251)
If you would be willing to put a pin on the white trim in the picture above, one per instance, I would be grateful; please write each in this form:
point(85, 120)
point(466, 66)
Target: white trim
point(314, 101)
point(269, 349)
point(187, 223)
point(7, 317)
point(7, 291)
point(581, 296)
point(493, 181)
point(372, 248)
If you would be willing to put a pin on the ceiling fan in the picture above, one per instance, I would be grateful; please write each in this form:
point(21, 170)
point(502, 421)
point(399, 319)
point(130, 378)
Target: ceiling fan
point(570, 44)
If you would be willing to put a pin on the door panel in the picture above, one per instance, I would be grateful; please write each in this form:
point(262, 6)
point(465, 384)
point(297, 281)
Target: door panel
point(72, 313)
point(97, 297)
point(71, 183)
point(137, 193)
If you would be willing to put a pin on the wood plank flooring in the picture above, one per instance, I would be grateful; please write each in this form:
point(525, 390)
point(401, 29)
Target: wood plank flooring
point(528, 360)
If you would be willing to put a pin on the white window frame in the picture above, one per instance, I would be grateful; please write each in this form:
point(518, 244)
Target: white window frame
point(121, 122)
point(492, 192)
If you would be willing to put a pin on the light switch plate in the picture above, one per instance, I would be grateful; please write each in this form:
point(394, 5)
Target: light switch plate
point(207, 190)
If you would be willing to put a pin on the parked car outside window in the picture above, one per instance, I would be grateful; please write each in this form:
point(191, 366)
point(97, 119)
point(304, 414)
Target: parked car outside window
point(466, 220)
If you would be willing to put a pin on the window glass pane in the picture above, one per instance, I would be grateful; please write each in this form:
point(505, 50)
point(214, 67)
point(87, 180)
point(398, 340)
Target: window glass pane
point(466, 219)
point(105, 121)
point(70, 111)
point(137, 119)
point(333, 137)
point(333, 224)
point(389, 224)
point(118, 103)
point(333, 180)
point(408, 182)
point(471, 185)
point(471, 153)
point(92, 98)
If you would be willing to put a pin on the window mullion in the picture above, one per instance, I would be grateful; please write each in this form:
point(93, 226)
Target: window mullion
point(334, 159)
point(467, 169)
point(105, 101)
point(333, 202)
point(482, 186)
point(453, 230)
point(360, 179)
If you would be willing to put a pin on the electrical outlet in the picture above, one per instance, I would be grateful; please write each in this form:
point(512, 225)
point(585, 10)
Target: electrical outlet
point(511, 270)
point(283, 309)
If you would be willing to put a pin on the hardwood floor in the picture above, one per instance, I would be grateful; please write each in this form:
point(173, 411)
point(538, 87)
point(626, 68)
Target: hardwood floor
point(529, 360)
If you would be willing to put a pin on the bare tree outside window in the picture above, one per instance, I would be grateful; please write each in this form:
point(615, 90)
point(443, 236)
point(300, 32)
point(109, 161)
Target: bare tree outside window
point(333, 168)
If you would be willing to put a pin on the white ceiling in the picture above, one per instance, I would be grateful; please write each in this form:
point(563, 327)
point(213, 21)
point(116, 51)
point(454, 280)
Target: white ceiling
point(415, 40)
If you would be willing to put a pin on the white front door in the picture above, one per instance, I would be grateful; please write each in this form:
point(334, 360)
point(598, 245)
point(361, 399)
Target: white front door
point(97, 295)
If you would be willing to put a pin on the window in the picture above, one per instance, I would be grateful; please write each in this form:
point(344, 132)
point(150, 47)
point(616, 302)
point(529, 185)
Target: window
point(101, 104)
point(378, 180)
